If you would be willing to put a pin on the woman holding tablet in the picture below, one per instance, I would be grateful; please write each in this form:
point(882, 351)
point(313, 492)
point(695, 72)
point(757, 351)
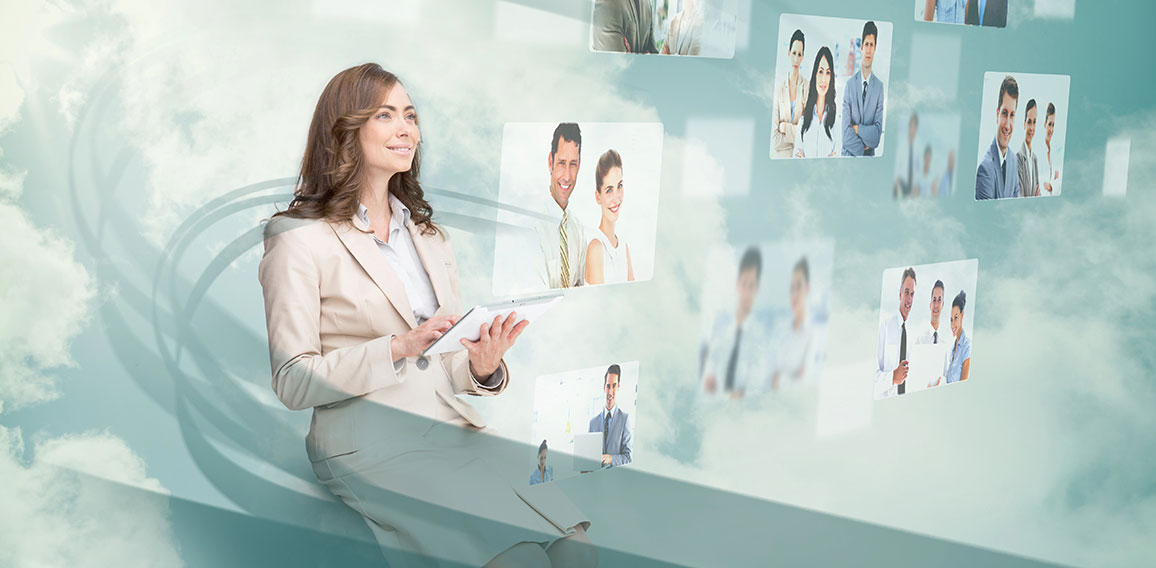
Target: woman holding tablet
point(813, 139)
point(607, 255)
point(358, 281)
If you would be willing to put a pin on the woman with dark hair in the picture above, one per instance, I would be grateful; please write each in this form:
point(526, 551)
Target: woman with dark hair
point(543, 472)
point(789, 99)
point(608, 255)
point(819, 109)
point(960, 362)
point(795, 351)
point(358, 282)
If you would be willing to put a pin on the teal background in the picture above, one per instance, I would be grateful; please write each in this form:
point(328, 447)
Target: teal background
point(144, 143)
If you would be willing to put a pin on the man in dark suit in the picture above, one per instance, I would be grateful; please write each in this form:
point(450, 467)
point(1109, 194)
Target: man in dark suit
point(613, 422)
point(998, 174)
point(623, 26)
point(986, 13)
point(863, 102)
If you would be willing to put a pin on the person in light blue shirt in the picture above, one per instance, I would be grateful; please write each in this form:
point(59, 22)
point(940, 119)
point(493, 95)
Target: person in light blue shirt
point(863, 102)
point(960, 362)
point(543, 472)
point(945, 11)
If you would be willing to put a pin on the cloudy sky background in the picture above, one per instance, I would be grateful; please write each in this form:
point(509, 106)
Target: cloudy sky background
point(121, 122)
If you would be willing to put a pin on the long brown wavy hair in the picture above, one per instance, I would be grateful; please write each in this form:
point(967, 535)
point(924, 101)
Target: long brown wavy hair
point(332, 169)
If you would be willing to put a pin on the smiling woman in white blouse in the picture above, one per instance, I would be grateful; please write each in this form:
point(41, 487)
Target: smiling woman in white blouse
point(608, 255)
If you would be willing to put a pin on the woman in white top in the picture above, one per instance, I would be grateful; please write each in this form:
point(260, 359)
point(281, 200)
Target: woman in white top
point(607, 256)
point(1051, 185)
point(811, 141)
point(789, 99)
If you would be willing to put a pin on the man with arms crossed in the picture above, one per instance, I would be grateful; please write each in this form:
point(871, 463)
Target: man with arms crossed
point(891, 370)
point(1029, 166)
point(562, 243)
point(996, 178)
point(863, 102)
point(613, 423)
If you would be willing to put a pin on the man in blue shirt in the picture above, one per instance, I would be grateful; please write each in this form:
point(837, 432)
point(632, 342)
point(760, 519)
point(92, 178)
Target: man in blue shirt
point(613, 423)
point(863, 102)
point(998, 175)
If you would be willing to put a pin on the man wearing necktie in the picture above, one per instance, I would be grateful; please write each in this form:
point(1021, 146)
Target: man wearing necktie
point(991, 177)
point(863, 102)
point(562, 243)
point(933, 333)
point(734, 356)
point(613, 422)
point(892, 364)
point(986, 13)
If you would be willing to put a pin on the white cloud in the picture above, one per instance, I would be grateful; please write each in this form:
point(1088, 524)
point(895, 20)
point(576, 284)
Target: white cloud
point(82, 500)
point(53, 291)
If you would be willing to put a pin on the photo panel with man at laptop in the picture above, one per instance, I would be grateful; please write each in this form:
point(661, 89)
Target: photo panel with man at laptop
point(926, 316)
point(578, 205)
point(830, 87)
point(765, 318)
point(697, 28)
point(583, 421)
point(1022, 127)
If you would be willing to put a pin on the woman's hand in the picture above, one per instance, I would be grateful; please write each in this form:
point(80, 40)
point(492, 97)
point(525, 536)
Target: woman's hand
point(414, 341)
point(496, 338)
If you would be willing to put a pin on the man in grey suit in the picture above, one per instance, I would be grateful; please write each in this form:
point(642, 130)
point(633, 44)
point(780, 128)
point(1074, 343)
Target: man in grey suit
point(613, 423)
point(624, 26)
point(863, 102)
point(986, 13)
point(998, 175)
point(1026, 159)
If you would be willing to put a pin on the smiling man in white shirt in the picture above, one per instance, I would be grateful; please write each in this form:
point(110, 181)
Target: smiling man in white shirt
point(891, 355)
point(563, 242)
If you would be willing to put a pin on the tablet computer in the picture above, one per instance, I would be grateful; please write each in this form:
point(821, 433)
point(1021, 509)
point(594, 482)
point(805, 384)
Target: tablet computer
point(470, 325)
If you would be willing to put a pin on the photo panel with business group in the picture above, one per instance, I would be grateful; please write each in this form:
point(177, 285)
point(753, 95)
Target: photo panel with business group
point(926, 316)
point(830, 87)
point(1022, 128)
point(583, 421)
point(986, 13)
point(578, 205)
point(926, 154)
point(765, 315)
point(696, 28)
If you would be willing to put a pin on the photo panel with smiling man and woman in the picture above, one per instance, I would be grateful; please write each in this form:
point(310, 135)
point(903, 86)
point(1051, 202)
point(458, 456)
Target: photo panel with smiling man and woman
point(830, 87)
point(926, 315)
point(578, 205)
point(765, 314)
point(583, 421)
point(1022, 128)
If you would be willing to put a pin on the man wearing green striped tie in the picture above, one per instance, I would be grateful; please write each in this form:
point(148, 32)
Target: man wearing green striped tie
point(563, 244)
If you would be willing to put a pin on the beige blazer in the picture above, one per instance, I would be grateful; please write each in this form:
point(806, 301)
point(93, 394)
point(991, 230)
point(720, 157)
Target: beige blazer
point(783, 144)
point(332, 305)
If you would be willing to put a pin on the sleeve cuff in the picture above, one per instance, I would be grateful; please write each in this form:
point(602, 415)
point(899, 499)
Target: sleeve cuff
point(493, 382)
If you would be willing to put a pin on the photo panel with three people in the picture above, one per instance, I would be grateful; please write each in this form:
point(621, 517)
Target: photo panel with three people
point(925, 312)
point(987, 13)
point(830, 87)
point(764, 318)
point(1022, 129)
point(578, 205)
point(925, 160)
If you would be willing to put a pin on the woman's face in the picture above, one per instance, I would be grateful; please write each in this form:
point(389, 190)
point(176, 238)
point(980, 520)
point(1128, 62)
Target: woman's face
point(956, 320)
point(1050, 126)
point(796, 54)
point(823, 77)
point(389, 138)
point(799, 290)
point(542, 459)
point(609, 194)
